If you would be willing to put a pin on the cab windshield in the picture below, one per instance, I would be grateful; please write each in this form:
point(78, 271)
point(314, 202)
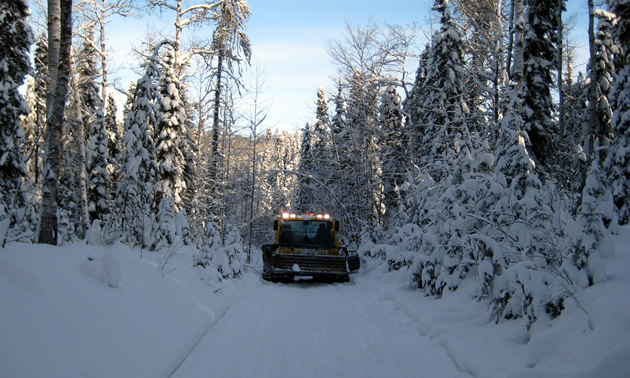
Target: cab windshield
point(313, 233)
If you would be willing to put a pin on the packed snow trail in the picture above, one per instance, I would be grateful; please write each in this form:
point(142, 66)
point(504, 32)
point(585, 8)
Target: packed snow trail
point(315, 330)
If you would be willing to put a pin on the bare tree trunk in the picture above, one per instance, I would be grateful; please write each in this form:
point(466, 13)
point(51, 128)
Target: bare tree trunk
point(48, 223)
point(215, 162)
point(559, 41)
point(104, 83)
point(178, 37)
point(54, 35)
point(499, 75)
point(83, 205)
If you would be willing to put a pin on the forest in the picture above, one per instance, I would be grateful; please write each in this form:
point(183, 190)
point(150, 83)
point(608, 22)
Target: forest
point(494, 163)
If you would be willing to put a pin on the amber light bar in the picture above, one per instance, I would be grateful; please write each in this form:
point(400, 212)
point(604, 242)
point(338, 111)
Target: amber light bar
point(287, 215)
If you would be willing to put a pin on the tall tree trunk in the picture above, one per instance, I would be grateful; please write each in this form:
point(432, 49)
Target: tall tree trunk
point(499, 73)
point(54, 35)
point(103, 52)
point(518, 35)
point(252, 196)
point(590, 126)
point(83, 203)
point(178, 37)
point(48, 223)
point(215, 162)
point(559, 39)
point(511, 31)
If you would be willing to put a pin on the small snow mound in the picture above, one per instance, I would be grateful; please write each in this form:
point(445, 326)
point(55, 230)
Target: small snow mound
point(105, 269)
point(93, 236)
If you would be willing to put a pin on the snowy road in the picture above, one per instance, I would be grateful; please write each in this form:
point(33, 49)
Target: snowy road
point(316, 330)
point(155, 323)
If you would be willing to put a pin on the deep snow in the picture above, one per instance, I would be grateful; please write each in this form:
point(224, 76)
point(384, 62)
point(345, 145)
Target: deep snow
point(98, 311)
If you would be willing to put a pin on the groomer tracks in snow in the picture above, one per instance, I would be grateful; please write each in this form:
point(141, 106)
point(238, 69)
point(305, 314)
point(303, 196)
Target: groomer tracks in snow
point(316, 330)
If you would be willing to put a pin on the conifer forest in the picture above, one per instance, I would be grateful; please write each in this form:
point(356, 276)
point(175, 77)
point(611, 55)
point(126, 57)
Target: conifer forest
point(493, 162)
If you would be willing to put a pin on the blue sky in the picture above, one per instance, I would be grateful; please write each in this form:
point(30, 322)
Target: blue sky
point(290, 37)
point(289, 40)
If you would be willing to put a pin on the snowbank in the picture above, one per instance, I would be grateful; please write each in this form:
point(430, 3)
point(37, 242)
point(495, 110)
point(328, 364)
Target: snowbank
point(87, 310)
point(98, 311)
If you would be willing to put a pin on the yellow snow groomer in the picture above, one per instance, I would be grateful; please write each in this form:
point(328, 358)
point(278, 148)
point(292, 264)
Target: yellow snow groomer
point(307, 247)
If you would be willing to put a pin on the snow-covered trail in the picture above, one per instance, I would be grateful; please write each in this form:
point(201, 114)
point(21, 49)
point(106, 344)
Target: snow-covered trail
point(316, 330)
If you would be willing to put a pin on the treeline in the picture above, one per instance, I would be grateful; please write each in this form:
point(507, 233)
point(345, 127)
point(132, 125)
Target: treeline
point(183, 165)
point(497, 164)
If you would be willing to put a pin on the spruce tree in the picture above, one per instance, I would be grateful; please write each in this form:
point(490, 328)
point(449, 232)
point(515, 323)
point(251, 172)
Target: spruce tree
point(306, 191)
point(596, 214)
point(394, 156)
point(321, 153)
point(414, 108)
point(97, 154)
point(16, 38)
point(134, 196)
point(602, 77)
point(115, 146)
point(170, 136)
point(539, 59)
point(446, 137)
point(339, 149)
point(596, 217)
point(617, 165)
point(99, 181)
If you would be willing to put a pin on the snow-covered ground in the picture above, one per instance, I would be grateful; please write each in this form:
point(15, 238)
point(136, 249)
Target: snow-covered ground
point(99, 311)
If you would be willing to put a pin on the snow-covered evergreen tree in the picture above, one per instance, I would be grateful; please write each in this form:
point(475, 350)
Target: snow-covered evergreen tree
point(16, 38)
point(236, 256)
point(341, 153)
point(414, 107)
point(115, 145)
point(617, 165)
point(280, 161)
point(134, 196)
point(211, 243)
point(596, 214)
point(520, 283)
point(481, 25)
point(99, 170)
point(394, 152)
point(306, 192)
point(163, 230)
point(571, 157)
point(337, 125)
point(223, 260)
point(321, 152)
point(596, 217)
point(539, 59)
point(35, 123)
point(97, 154)
point(444, 153)
point(170, 136)
point(445, 140)
point(602, 77)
